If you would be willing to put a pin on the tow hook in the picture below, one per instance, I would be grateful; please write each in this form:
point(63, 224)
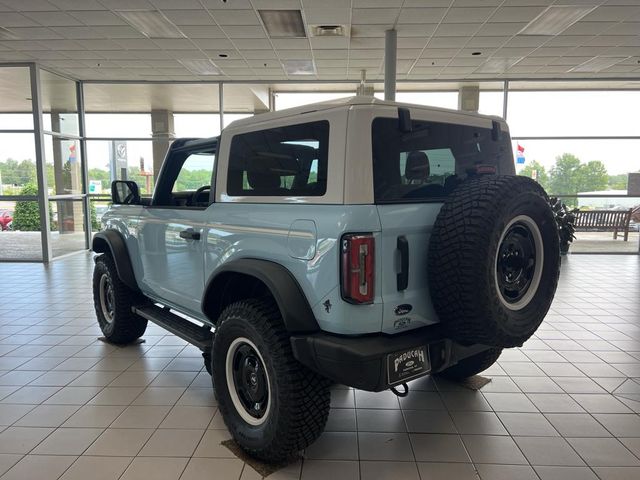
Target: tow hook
point(399, 393)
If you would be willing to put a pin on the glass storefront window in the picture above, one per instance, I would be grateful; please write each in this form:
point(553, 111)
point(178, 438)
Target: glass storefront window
point(59, 103)
point(491, 103)
point(15, 99)
point(120, 160)
point(573, 113)
point(67, 226)
point(202, 125)
point(64, 173)
point(118, 125)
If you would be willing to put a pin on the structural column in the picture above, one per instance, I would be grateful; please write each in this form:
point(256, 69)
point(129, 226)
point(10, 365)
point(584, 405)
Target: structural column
point(163, 133)
point(390, 55)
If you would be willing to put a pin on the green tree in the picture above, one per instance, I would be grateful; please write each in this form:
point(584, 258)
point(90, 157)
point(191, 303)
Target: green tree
point(618, 182)
point(26, 216)
point(540, 174)
point(592, 177)
point(569, 177)
point(18, 173)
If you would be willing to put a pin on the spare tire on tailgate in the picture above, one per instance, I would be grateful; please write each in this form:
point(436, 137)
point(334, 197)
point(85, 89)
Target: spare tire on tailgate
point(494, 260)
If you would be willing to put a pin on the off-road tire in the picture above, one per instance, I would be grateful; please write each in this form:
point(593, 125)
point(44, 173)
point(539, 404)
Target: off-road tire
point(125, 326)
point(206, 356)
point(464, 251)
point(471, 366)
point(299, 397)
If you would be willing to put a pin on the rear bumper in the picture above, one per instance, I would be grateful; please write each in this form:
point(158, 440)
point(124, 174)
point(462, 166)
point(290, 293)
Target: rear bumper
point(360, 362)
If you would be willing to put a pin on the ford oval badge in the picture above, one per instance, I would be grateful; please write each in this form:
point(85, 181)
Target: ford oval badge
point(403, 309)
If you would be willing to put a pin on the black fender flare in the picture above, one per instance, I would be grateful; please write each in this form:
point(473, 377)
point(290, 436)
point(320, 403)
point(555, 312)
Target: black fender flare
point(294, 307)
point(111, 241)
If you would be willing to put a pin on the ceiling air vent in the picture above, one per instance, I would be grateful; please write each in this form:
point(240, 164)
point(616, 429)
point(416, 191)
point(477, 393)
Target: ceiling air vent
point(329, 30)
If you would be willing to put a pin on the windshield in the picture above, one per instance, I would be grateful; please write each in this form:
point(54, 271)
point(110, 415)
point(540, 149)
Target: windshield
point(428, 162)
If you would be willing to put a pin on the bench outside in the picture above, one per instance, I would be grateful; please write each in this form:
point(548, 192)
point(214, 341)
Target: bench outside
point(616, 221)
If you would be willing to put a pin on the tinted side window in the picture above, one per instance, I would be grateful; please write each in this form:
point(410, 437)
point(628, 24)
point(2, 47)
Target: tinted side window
point(429, 162)
point(283, 161)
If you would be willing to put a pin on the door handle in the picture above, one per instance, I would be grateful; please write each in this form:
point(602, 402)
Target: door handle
point(403, 277)
point(190, 234)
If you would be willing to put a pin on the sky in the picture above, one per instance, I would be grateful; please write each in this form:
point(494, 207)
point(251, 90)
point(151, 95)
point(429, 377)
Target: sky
point(568, 113)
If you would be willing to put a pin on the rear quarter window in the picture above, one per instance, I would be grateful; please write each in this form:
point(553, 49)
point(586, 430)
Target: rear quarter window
point(427, 163)
point(283, 161)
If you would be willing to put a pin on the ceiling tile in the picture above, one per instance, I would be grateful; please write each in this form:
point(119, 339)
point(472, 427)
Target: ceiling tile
point(457, 29)
point(201, 31)
point(173, 5)
point(11, 19)
point(244, 31)
point(97, 17)
point(189, 17)
point(290, 43)
point(374, 16)
point(516, 14)
point(330, 42)
point(416, 30)
point(588, 28)
point(612, 13)
point(29, 5)
point(77, 5)
point(258, 54)
point(468, 15)
point(127, 4)
point(252, 43)
point(500, 29)
point(136, 43)
point(211, 43)
point(368, 31)
point(176, 43)
point(218, 5)
point(367, 43)
point(487, 41)
point(124, 31)
point(235, 17)
point(338, 16)
point(412, 42)
point(360, 53)
point(421, 15)
point(51, 19)
point(294, 54)
point(23, 45)
point(34, 33)
point(98, 44)
point(447, 42)
point(78, 32)
point(63, 45)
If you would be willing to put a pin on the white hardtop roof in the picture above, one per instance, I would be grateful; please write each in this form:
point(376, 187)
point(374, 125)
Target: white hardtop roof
point(346, 103)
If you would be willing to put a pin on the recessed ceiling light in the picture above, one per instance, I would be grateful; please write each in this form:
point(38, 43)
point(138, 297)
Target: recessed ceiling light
point(299, 67)
point(201, 67)
point(283, 23)
point(555, 19)
point(223, 55)
point(6, 34)
point(597, 64)
point(151, 23)
point(476, 53)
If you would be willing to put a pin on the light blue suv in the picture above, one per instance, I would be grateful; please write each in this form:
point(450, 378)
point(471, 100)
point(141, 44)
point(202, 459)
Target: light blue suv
point(357, 241)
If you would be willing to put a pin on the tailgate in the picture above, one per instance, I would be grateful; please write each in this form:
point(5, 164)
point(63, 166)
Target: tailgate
point(409, 224)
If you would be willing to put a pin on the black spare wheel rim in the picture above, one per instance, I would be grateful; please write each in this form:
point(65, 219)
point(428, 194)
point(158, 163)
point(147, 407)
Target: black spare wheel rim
point(519, 262)
point(248, 381)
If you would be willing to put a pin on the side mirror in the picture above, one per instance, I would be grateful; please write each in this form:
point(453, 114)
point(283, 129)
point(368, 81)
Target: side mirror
point(125, 192)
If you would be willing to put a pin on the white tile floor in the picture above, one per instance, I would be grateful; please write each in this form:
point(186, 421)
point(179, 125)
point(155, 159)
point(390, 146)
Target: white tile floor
point(563, 407)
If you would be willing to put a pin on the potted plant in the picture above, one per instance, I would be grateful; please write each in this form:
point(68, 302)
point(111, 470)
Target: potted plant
point(566, 220)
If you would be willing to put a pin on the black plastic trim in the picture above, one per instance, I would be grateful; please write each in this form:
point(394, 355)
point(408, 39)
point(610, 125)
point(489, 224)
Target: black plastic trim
point(294, 307)
point(360, 362)
point(111, 241)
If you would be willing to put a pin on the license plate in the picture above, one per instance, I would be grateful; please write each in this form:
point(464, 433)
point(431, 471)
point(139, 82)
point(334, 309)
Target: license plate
point(408, 364)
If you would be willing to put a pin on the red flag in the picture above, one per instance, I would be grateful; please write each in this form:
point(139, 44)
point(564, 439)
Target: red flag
point(520, 149)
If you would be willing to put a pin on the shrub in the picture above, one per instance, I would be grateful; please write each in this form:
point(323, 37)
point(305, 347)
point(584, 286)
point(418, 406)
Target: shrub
point(26, 216)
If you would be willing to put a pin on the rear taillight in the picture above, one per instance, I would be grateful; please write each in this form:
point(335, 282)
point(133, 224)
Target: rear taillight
point(357, 267)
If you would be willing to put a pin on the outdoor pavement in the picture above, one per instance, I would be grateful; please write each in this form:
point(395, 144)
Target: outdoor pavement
point(565, 406)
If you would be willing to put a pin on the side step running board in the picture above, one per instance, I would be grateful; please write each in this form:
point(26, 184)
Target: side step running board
point(199, 336)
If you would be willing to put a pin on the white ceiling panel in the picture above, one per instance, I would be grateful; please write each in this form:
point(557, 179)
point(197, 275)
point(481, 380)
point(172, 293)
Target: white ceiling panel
point(437, 39)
